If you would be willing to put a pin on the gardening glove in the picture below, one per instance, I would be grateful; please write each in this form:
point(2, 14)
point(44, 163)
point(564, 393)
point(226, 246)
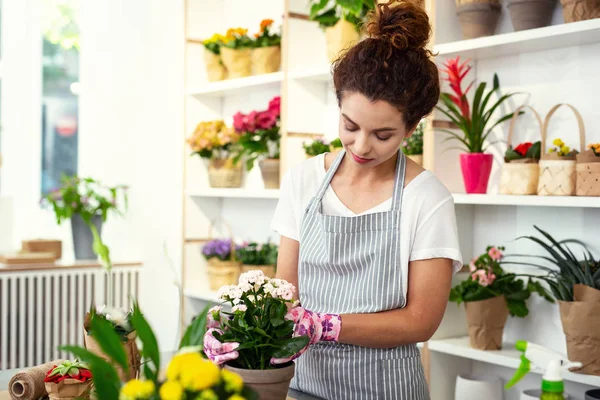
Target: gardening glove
point(319, 327)
point(218, 352)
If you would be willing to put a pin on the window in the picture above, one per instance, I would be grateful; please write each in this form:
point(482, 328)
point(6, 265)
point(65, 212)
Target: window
point(60, 84)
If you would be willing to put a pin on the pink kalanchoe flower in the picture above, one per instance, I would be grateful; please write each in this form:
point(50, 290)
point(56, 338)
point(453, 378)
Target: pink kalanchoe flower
point(495, 254)
point(472, 266)
point(265, 120)
point(275, 106)
point(239, 122)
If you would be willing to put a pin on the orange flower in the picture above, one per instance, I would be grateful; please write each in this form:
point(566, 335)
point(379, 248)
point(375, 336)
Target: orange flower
point(265, 23)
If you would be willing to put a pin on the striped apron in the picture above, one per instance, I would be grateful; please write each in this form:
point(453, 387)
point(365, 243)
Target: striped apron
point(351, 265)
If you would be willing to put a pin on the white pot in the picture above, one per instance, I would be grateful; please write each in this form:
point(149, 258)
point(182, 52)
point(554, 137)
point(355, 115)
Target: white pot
point(469, 387)
point(535, 394)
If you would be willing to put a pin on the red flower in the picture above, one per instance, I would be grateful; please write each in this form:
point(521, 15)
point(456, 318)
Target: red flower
point(523, 148)
point(456, 73)
point(265, 120)
point(239, 122)
point(275, 106)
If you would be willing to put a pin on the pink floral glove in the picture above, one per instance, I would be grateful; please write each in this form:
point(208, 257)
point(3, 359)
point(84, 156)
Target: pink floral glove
point(218, 352)
point(318, 327)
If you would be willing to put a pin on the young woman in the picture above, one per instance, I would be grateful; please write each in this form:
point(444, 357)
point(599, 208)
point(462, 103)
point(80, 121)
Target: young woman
point(369, 238)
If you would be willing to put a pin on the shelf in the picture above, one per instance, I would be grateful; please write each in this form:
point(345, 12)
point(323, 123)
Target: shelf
point(204, 296)
point(534, 201)
point(237, 193)
point(507, 357)
point(316, 74)
point(233, 86)
point(531, 40)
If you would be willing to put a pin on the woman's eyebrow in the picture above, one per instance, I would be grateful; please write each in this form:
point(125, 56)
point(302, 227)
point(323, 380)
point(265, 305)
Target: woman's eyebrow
point(384, 129)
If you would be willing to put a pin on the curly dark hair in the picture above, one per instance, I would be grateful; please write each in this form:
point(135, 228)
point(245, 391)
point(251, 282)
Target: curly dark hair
point(393, 63)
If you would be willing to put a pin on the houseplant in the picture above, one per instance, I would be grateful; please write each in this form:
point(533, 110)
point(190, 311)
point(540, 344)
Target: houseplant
point(336, 145)
point(215, 142)
point(341, 20)
point(266, 52)
point(223, 266)
point(258, 323)
point(69, 380)
point(588, 171)
point(259, 256)
point(490, 294)
point(87, 203)
point(215, 70)
point(315, 147)
point(413, 146)
point(188, 375)
point(473, 121)
point(478, 17)
point(575, 284)
point(236, 53)
point(260, 138)
point(530, 14)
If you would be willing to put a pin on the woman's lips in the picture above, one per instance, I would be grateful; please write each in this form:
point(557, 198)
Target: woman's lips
point(360, 160)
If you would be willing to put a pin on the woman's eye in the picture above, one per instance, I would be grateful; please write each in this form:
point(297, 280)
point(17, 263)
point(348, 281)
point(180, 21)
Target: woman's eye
point(353, 129)
point(383, 139)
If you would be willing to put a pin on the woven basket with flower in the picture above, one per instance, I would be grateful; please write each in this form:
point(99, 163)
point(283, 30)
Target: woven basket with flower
point(266, 55)
point(236, 53)
point(223, 267)
point(216, 143)
point(588, 171)
point(215, 70)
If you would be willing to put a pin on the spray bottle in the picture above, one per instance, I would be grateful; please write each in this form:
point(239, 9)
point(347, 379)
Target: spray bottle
point(552, 363)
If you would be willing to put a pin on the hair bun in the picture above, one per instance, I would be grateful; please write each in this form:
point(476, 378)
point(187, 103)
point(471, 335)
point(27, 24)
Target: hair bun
point(403, 24)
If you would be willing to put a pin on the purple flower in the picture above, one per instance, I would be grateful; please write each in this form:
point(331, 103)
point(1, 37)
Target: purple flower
point(327, 325)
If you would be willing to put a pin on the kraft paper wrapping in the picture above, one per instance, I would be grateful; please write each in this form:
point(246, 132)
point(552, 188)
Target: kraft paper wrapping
point(486, 319)
point(266, 60)
point(69, 389)
point(238, 62)
point(214, 68)
point(29, 383)
point(339, 38)
point(131, 351)
point(581, 324)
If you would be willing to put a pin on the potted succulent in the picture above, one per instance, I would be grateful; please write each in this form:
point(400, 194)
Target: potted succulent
point(478, 17)
point(236, 53)
point(259, 139)
point(255, 256)
point(86, 202)
point(69, 380)
point(530, 14)
point(473, 122)
point(575, 284)
point(215, 142)
point(260, 332)
point(266, 52)
point(490, 294)
point(223, 265)
point(341, 20)
point(413, 146)
point(215, 70)
point(315, 147)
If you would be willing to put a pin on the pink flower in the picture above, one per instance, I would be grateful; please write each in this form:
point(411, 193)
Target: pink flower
point(472, 266)
point(275, 106)
point(265, 120)
point(495, 254)
point(240, 122)
point(485, 278)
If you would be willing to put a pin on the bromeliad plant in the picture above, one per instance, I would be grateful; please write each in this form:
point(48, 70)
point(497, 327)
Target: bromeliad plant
point(488, 280)
point(328, 12)
point(258, 254)
point(413, 145)
point(524, 151)
point(473, 120)
point(266, 37)
point(257, 321)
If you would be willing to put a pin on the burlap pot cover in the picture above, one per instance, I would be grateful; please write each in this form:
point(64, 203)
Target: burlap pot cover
point(486, 320)
point(131, 351)
point(224, 173)
point(339, 38)
point(266, 60)
point(215, 70)
point(588, 174)
point(238, 62)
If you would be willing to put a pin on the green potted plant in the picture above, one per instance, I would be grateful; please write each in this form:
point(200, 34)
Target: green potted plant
point(575, 284)
point(413, 146)
point(315, 147)
point(215, 70)
point(266, 52)
point(259, 140)
point(336, 146)
point(341, 20)
point(259, 256)
point(69, 380)
point(473, 122)
point(236, 53)
point(87, 203)
point(490, 294)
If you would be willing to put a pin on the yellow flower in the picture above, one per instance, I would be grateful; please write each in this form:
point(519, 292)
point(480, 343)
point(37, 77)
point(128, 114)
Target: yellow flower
point(137, 390)
point(199, 376)
point(565, 150)
point(552, 150)
point(233, 382)
point(236, 397)
point(558, 142)
point(207, 394)
point(265, 23)
point(182, 362)
point(171, 390)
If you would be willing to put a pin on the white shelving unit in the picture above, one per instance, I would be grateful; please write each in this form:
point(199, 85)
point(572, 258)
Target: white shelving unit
point(236, 193)
point(204, 295)
point(236, 86)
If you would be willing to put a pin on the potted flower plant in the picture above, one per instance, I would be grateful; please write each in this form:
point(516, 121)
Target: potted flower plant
point(490, 294)
point(335, 146)
point(266, 54)
point(260, 138)
point(86, 202)
point(256, 256)
point(69, 380)
point(223, 266)
point(588, 171)
point(478, 18)
point(236, 53)
point(520, 172)
point(215, 69)
point(257, 322)
point(413, 146)
point(188, 375)
point(341, 20)
point(473, 122)
point(215, 142)
point(315, 147)
point(575, 284)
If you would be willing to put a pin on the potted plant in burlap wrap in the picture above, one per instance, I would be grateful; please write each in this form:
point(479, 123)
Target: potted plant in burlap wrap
point(236, 53)
point(266, 54)
point(215, 70)
point(69, 380)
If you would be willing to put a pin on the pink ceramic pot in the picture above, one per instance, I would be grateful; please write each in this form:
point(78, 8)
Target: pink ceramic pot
point(476, 168)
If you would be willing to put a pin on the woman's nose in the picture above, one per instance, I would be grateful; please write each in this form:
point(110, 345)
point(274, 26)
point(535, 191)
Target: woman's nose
point(361, 144)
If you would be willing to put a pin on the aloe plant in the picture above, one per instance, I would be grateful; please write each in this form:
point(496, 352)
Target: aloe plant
point(571, 270)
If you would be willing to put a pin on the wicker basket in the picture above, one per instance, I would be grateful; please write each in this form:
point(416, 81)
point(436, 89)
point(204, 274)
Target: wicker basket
point(520, 177)
point(268, 270)
point(558, 174)
point(224, 173)
point(222, 273)
point(588, 174)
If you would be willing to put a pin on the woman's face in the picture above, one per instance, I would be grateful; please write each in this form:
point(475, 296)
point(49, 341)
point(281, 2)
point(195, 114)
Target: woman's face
point(371, 132)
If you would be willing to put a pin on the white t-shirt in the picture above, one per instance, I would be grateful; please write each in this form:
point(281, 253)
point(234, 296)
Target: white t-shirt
point(428, 222)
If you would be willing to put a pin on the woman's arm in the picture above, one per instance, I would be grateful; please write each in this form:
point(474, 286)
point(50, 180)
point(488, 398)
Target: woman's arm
point(429, 284)
point(287, 261)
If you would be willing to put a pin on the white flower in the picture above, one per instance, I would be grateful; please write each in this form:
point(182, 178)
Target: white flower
point(254, 277)
point(245, 287)
point(230, 292)
point(215, 312)
point(239, 307)
point(115, 315)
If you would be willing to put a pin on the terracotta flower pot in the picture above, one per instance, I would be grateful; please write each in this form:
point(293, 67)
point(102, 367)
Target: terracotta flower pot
point(476, 168)
point(486, 320)
point(530, 14)
point(270, 384)
point(269, 169)
point(478, 19)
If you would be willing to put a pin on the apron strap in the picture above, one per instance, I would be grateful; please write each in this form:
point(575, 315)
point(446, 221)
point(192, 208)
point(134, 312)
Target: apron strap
point(316, 201)
point(399, 182)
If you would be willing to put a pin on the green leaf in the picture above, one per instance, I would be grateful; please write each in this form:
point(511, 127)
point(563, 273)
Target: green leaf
point(291, 346)
point(534, 151)
point(353, 6)
point(512, 155)
point(496, 82)
point(476, 112)
point(536, 287)
point(105, 377)
point(517, 308)
point(194, 334)
point(110, 342)
point(316, 8)
point(150, 345)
